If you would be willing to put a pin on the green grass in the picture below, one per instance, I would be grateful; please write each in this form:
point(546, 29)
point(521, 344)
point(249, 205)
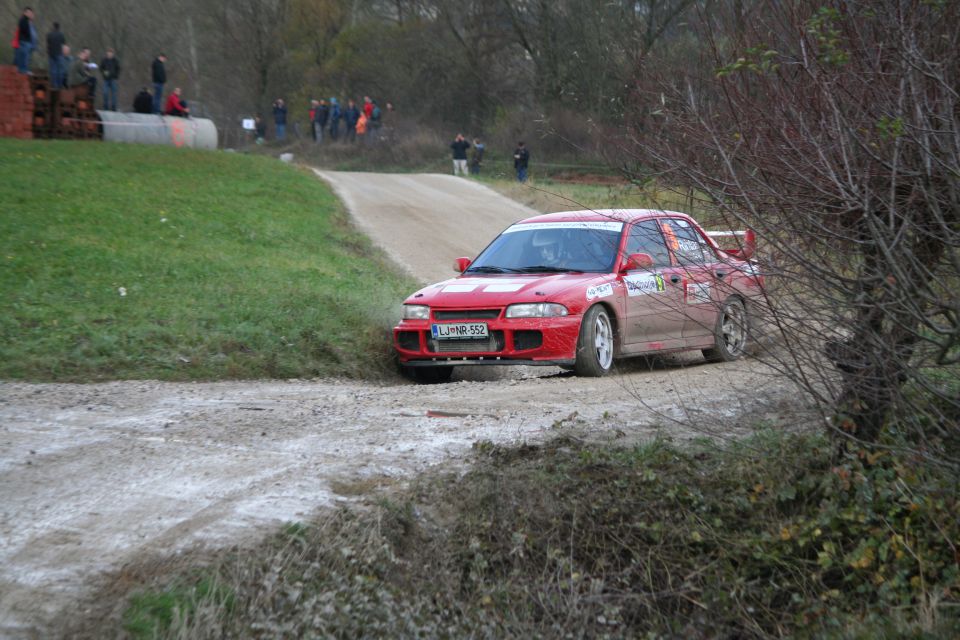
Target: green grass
point(596, 192)
point(151, 614)
point(232, 267)
point(774, 536)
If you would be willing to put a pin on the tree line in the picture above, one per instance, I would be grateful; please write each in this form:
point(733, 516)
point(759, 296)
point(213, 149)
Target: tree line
point(457, 63)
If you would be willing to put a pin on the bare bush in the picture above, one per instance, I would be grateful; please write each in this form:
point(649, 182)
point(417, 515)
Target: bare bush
point(832, 130)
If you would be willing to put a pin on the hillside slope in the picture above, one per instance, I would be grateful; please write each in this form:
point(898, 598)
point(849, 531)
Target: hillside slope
point(122, 261)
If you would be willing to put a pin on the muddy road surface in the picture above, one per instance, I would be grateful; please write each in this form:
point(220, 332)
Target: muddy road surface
point(93, 477)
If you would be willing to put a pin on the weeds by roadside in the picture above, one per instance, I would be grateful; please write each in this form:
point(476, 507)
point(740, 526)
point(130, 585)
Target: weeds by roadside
point(774, 536)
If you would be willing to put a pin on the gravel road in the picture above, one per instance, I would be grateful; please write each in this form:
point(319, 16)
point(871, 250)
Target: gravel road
point(93, 477)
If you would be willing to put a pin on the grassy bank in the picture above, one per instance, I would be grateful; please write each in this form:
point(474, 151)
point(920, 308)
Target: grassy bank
point(122, 261)
point(774, 536)
point(590, 192)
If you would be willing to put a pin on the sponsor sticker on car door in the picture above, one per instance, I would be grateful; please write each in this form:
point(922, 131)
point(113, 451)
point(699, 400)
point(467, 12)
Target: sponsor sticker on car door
point(644, 284)
point(698, 293)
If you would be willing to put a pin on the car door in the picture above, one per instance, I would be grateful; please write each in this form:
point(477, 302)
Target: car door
point(654, 305)
point(696, 260)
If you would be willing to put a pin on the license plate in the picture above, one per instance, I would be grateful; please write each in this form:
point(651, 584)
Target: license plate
point(460, 330)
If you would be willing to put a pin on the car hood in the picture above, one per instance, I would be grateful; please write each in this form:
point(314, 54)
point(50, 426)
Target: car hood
point(477, 291)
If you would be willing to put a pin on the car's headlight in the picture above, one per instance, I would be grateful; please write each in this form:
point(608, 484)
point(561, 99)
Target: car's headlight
point(416, 312)
point(538, 310)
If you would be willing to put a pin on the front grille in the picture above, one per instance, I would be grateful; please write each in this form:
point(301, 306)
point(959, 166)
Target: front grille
point(527, 340)
point(466, 314)
point(492, 344)
point(409, 340)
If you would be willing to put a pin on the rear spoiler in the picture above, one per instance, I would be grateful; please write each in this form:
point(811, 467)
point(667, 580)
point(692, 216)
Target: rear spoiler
point(746, 242)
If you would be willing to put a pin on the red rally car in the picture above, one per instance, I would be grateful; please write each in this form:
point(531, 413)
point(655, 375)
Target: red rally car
point(579, 289)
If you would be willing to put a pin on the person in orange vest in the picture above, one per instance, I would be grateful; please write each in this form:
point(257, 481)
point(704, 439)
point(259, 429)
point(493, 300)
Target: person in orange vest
point(362, 126)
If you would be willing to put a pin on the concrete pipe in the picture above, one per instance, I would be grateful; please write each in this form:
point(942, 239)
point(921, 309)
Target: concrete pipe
point(140, 128)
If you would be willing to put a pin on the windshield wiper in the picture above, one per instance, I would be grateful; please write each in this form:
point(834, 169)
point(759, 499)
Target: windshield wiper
point(491, 269)
point(542, 268)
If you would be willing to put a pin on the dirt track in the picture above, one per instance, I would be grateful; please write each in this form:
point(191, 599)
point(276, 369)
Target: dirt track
point(95, 476)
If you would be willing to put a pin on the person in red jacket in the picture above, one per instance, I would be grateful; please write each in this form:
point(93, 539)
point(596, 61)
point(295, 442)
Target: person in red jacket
point(367, 107)
point(176, 106)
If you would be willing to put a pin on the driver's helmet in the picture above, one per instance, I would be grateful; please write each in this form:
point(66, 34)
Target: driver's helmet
point(546, 244)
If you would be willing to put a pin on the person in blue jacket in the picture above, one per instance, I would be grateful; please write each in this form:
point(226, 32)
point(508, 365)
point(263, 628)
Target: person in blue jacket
point(350, 116)
point(335, 116)
point(280, 118)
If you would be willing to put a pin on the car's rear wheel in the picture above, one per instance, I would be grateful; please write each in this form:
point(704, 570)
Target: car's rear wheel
point(730, 334)
point(429, 375)
point(595, 344)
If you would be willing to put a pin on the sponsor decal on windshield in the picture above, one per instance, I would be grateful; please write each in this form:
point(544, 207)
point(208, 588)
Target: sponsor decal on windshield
point(600, 291)
point(641, 285)
point(594, 225)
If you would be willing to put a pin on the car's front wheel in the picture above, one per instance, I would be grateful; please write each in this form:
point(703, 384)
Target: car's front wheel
point(731, 333)
point(429, 375)
point(595, 344)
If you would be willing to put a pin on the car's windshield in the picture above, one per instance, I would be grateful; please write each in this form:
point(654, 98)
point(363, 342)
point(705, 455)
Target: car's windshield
point(552, 247)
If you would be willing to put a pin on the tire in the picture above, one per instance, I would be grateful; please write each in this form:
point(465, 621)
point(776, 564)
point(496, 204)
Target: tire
point(731, 334)
point(595, 344)
point(429, 375)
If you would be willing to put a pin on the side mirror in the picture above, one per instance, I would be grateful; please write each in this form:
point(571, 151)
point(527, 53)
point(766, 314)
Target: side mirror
point(460, 264)
point(638, 261)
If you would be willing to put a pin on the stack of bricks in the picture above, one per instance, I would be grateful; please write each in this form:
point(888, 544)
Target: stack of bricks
point(16, 104)
point(73, 116)
point(31, 108)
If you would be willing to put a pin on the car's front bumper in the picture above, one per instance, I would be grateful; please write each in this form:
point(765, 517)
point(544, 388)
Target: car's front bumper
point(511, 341)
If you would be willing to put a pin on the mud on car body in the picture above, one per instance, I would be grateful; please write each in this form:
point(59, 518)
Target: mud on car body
point(580, 289)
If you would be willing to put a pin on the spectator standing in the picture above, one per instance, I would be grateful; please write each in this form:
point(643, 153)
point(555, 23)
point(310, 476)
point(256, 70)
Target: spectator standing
point(143, 102)
point(110, 70)
point(476, 158)
point(176, 106)
point(459, 146)
point(280, 118)
point(521, 159)
point(320, 118)
point(335, 115)
point(24, 41)
point(159, 73)
point(373, 126)
point(362, 126)
point(350, 117)
point(312, 118)
point(260, 129)
point(55, 42)
point(66, 61)
point(79, 74)
point(367, 107)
